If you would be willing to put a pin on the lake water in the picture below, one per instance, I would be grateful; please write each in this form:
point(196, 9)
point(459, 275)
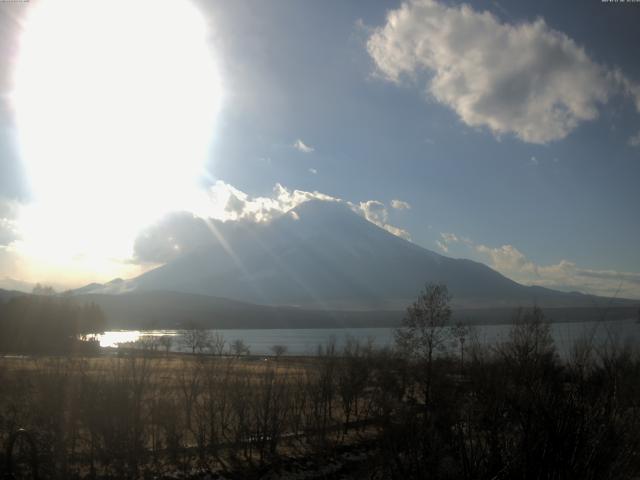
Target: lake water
point(304, 341)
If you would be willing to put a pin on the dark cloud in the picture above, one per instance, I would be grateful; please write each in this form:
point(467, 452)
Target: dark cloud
point(235, 205)
point(173, 235)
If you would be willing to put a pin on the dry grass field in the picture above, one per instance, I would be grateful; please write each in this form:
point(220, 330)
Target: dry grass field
point(513, 410)
point(122, 415)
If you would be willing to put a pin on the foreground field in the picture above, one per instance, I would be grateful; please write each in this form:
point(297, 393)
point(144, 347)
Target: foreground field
point(124, 416)
point(506, 411)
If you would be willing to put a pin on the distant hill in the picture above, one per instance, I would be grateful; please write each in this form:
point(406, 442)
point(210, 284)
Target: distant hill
point(174, 310)
point(8, 294)
point(159, 309)
point(11, 284)
point(322, 255)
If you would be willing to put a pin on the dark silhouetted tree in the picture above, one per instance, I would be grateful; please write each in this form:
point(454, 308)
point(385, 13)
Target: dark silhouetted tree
point(422, 332)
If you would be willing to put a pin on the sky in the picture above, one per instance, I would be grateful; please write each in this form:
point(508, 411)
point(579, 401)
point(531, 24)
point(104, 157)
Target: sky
point(507, 133)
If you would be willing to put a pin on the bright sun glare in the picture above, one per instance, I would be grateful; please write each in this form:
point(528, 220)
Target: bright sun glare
point(115, 104)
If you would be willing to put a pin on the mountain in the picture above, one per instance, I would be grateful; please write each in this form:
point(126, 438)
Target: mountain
point(13, 285)
point(115, 286)
point(322, 255)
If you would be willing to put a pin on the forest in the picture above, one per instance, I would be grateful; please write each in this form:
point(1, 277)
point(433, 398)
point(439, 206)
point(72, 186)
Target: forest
point(47, 323)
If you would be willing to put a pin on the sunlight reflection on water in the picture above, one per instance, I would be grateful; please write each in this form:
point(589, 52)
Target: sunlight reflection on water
point(114, 338)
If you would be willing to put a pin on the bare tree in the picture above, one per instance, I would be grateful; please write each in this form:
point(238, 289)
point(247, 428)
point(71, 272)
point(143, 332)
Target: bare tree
point(460, 333)
point(166, 341)
point(321, 392)
point(353, 374)
point(217, 343)
point(279, 350)
point(239, 348)
point(196, 339)
point(190, 385)
point(530, 338)
point(422, 332)
point(43, 290)
point(148, 343)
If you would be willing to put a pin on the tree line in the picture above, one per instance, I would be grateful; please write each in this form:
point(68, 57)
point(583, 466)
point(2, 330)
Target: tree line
point(48, 323)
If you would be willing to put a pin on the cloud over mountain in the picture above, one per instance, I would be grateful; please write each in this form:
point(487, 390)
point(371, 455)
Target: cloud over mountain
point(565, 275)
point(524, 79)
point(174, 234)
point(180, 232)
point(324, 255)
point(376, 212)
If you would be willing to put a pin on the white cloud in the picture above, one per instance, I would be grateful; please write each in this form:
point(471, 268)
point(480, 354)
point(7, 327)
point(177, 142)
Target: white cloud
point(10, 266)
point(228, 203)
point(526, 79)
point(180, 232)
point(507, 258)
point(631, 88)
point(634, 141)
point(240, 206)
point(373, 210)
point(302, 147)
point(313, 171)
point(398, 232)
point(564, 275)
point(9, 231)
point(377, 213)
point(442, 246)
point(447, 239)
point(400, 205)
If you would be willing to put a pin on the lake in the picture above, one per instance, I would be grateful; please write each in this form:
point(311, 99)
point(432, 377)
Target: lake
point(304, 341)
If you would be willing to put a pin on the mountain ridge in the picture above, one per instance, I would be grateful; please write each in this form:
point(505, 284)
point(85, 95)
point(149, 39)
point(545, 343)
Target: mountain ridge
point(150, 310)
point(322, 255)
